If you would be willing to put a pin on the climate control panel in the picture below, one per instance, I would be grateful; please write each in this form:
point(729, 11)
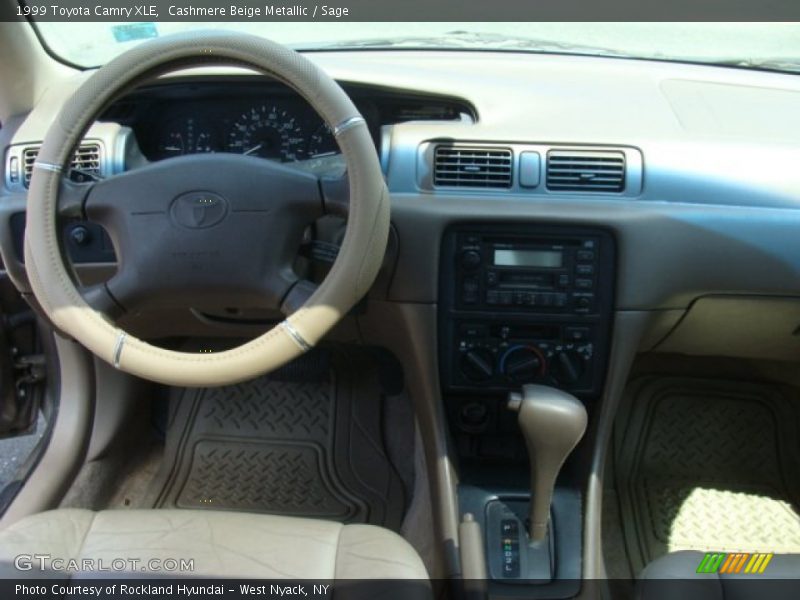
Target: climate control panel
point(499, 355)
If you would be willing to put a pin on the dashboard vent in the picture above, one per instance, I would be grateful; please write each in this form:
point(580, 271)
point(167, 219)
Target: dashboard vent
point(585, 171)
point(461, 166)
point(87, 158)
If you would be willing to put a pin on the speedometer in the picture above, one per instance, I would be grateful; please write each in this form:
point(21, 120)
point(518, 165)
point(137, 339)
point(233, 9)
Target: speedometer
point(269, 132)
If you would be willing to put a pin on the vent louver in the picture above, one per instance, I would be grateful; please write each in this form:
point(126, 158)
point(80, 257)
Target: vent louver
point(463, 166)
point(86, 158)
point(585, 171)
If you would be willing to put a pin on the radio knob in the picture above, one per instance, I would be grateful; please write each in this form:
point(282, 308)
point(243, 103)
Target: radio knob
point(470, 259)
point(522, 363)
point(476, 365)
point(567, 367)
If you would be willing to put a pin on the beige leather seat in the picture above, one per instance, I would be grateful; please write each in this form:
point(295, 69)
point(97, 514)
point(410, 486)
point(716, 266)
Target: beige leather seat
point(674, 577)
point(221, 544)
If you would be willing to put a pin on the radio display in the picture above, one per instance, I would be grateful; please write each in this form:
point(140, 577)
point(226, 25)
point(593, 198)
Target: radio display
point(550, 259)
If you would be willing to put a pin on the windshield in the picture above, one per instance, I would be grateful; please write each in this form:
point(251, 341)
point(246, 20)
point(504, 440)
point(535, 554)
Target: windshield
point(759, 45)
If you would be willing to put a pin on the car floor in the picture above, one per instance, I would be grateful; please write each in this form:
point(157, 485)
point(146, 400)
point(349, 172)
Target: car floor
point(700, 463)
point(304, 441)
point(330, 436)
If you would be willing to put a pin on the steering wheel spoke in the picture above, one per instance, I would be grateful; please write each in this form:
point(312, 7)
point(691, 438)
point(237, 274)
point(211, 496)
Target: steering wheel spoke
point(72, 198)
point(298, 296)
point(99, 298)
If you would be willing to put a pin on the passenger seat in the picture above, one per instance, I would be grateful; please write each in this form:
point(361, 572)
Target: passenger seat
point(675, 577)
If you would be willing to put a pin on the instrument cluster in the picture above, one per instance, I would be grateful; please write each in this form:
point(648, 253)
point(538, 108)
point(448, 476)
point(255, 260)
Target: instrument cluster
point(258, 117)
point(275, 130)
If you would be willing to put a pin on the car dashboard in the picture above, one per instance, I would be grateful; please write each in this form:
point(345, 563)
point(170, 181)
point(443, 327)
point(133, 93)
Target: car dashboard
point(688, 168)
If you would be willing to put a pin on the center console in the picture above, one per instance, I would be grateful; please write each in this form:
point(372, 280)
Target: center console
point(521, 305)
point(525, 305)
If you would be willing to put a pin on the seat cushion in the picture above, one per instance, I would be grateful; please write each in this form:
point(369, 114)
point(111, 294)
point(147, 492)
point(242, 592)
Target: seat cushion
point(674, 577)
point(221, 544)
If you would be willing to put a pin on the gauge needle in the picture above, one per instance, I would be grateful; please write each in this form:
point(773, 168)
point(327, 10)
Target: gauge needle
point(253, 149)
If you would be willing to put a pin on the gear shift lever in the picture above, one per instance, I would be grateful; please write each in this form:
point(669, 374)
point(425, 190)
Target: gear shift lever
point(552, 422)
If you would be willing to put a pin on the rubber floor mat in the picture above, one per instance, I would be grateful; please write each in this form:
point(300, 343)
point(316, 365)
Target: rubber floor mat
point(304, 441)
point(707, 465)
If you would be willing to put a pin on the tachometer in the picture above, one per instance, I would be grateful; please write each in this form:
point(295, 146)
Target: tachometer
point(269, 132)
point(185, 136)
point(322, 142)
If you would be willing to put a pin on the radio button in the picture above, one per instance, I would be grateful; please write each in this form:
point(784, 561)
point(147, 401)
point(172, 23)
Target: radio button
point(492, 297)
point(560, 300)
point(505, 298)
point(584, 269)
point(563, 280)
point(576, 334)
point(585, 255)
point(492, 279)
point(584, 284)
point(544, 300)
point(470, 259)
point(530, 299)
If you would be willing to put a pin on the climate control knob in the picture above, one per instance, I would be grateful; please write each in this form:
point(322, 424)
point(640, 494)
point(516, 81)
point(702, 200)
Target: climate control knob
point(567, 367)
point(522, 363)
point(477, 364)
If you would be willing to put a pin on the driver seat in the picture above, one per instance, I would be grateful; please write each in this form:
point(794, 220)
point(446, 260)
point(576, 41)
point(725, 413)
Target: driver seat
point(221, 544)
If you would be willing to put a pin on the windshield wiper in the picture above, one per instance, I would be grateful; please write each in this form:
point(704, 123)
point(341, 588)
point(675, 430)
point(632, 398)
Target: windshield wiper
point(473, 40)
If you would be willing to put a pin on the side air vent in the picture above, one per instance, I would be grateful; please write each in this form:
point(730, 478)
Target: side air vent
point(585, 171)
point(87, 158)
point(472, 167)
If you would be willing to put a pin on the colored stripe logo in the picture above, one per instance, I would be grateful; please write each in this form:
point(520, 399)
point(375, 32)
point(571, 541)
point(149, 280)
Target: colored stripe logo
point(734, 563)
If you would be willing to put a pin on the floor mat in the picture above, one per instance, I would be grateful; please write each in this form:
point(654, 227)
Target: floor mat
point(707, 465)
point(304, 441)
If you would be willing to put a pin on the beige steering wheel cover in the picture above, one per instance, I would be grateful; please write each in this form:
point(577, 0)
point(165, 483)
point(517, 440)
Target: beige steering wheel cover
point(350, 277)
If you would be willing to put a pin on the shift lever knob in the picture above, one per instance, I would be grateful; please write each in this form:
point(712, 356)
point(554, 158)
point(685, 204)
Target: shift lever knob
point(552, 422)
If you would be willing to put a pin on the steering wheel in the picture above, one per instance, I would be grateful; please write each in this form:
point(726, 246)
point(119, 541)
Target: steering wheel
point(218, 226)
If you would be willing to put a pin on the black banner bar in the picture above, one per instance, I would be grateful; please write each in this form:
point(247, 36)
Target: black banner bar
point(220, 11)
point(170, 588)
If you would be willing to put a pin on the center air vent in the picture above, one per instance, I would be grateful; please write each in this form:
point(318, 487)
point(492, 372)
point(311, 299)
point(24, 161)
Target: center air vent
point(476, 167)
point(585, 171)
point(86, 158)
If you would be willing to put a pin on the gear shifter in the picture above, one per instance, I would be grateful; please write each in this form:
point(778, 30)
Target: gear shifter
point(552, 422)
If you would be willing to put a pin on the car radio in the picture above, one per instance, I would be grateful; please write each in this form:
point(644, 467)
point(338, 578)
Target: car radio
point(508, 272)
point(525, 305)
